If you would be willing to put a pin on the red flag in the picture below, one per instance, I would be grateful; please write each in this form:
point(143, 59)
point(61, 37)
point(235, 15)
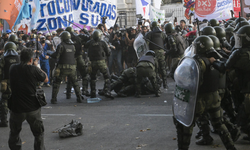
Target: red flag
point(15, 12)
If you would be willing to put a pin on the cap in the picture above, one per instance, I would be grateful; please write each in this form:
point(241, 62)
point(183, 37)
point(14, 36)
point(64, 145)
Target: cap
point(48, 34)
point(190, 25)
point(8, 31)
point(40, 32)
point(54, 32)
point(134, 27)
point(42, 37)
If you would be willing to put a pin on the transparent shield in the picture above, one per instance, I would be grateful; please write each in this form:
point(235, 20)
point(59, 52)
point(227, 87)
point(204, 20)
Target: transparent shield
point(140, 46)
point(189, 51)
point(238, 41)
point(186, 88)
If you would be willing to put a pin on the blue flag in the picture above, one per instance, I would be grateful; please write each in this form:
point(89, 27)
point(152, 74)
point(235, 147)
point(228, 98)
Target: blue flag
point(23, 13)
point(35, 12)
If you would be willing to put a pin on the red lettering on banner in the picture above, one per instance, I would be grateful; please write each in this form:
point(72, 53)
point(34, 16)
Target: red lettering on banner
point(236, 7)
point(205, 7)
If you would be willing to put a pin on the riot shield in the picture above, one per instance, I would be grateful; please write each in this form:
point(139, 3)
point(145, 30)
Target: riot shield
point(238, 41)
point(186, 88)
point(140, 46)
point(189, 51)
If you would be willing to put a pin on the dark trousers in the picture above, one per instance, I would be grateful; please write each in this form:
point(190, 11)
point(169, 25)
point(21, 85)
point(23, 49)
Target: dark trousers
point(36, 125)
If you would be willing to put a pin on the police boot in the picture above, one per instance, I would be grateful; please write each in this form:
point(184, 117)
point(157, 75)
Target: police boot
point(93, 88)
point(198, 134)
point(85, 87)
point(68, 91)
point(233, 130)
point(4, 122)
point(53, 101)
point(205, 140)
point(79, 99)
point(165, 86)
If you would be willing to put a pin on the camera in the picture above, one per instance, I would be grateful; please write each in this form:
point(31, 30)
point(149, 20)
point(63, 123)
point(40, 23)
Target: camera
point(104, 19)
point(139, 16)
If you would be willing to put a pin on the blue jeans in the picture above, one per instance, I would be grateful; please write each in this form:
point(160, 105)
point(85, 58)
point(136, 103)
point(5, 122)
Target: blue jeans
point(115, 54)
point(45, 67)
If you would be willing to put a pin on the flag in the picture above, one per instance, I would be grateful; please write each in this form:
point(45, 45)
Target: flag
point(14, 12)
point(23, 13)
point(6, 7)
point(142, 7)
point(35, 9)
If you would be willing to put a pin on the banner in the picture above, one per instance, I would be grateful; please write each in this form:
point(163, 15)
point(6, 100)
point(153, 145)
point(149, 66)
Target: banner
point(13, 11)
point(142, 7)
point(245, 7)
point(57, 13)
point(156, 14)
point(236, 8)
point(213, 9)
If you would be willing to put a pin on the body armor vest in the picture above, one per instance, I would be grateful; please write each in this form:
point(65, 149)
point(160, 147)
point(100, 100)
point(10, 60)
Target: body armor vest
point(9, 60)
point(157, 39)
point(96, 51)
point(211, 79)
point(68, 55)
point(147, 58)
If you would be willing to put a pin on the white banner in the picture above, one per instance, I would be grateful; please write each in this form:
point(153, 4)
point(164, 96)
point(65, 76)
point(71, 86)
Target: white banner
point(142, 7)
point(54, 13)
point(156, 14)
point(213, 9)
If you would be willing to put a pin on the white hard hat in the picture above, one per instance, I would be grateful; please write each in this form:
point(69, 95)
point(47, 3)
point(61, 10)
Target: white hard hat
point(48, 34)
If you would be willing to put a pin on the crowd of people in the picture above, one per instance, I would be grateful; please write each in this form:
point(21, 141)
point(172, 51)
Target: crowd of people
point(69, 55)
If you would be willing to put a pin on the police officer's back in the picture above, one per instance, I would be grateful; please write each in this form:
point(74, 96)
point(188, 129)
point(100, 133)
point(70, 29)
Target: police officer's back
point(158, 37)
point(147, 66)
point(66, 66)
point(98, 51)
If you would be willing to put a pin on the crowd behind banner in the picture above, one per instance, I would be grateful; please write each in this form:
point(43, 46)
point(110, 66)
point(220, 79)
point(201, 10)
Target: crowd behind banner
point(111, 52)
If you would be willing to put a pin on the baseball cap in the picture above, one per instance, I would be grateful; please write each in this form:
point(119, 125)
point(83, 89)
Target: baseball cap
point(8, 31)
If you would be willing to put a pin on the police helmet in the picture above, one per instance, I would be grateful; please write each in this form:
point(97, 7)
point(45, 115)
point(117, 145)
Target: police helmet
point(150, 52)
point(66, 37)
point(216, 42)
point(244, 34)
point(169, 28)
point(214, 22)
point(208, 31)
point(10, 46)
point(203, 44)
point(153, 25)
point(13, 38)
point(241, 24)
point(220, 32)
point(70, 29)
point(97, 35)
point(239, 20)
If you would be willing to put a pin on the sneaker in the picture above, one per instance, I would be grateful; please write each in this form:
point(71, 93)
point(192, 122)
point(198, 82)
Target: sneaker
point(48, 85)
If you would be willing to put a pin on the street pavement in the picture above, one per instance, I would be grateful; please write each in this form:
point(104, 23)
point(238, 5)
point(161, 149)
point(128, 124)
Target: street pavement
point(121, 124)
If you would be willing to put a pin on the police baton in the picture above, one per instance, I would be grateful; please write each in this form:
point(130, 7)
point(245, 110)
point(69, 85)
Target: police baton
point(228, 23)
point(72, 23)
point(50, 35)
point(154, 44)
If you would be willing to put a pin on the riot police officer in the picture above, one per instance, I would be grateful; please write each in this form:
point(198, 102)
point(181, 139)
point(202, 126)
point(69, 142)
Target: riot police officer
point(158, 37)
point(175, 46)
point(97, 52)
point(221, 35)
point(239, 60)
point(147, 66)
point(66, 66)
point(9, 57)
point(208, 31)
point(208, 98)
point(80, 63)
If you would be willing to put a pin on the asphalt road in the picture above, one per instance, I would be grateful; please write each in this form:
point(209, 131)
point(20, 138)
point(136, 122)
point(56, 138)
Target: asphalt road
point(121, 124)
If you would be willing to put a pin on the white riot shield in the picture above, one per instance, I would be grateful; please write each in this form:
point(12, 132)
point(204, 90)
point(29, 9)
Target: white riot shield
point(186, 88)
point(140, 46)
